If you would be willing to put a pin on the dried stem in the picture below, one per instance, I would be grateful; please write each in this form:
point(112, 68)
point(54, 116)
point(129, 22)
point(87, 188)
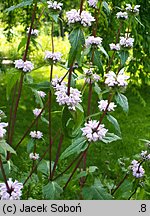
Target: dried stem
point(74, 170)
point(69, 79)
point(120, 183)
point(81, 6)
point(58, 154)
point(50, 107)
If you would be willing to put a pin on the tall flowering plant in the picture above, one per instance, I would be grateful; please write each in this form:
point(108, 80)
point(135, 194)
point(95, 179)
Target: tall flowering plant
point(82, 127)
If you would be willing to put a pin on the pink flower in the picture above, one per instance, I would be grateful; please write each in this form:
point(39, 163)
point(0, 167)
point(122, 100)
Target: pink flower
point(37, 111)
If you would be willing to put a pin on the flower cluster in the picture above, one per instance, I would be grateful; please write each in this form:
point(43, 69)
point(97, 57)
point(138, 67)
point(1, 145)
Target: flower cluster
point(55, 57)
point(91, 77)
point(126, 42)
point(37, 111)
point(54, 5)
point(41, 94)
point(122, 15)
point(145, 155)
point(71, 100)
point(13, 192)
point(2, 130)
point(36, 134)
point(137, 169)
point(34, 32)
point(26, 66)
point(112, 79)
point(93, 131)
point(93, 3)
point(91, 40)
point(34, 156)
point(104, 103)
point(115, 47)
point(134, 9)
point(57, 83)
point(85, 18)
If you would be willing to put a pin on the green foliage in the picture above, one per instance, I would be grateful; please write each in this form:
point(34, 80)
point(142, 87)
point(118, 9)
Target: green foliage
point(52, 191)
point(110, 137)
point(20, 5)
point(122, 101)
point(11, 79)
point(96, 192)
point(77, 41)
point(114, 121)
point(6, 147)
point(124, 191)
point(78, 145)
point(72, 121)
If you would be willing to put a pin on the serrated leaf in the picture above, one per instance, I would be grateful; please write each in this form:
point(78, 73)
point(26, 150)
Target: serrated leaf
point(123, 54)
point(110, 137)
point(122, 101)
point(77, 41)
point(22, 4)
point(6, 147)
point(78, 145)
point(52, 191)
point(114, 121)
point(96, 192)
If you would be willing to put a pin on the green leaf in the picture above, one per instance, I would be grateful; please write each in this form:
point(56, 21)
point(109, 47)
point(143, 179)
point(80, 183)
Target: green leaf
point(22, 4)
point(96, 192)
point(104, 52)
point(38, 99)
point(97, 89)
point(22, 43)
point(78, 145)
point(97, 60)
point(30, 145)
point(54, 16)
point(71, 121)
point(6, 146)
point(92, 169)
point(124, 54)
point(110, 137)
point(44, 120)
point(114, 121)
point(77, 41)
point(139, 22)
point(7, 169)
point(106, 6)
point(52, 191)
point(43, 167)
point(122, 101)
point(11, 79)
point(42, 85)
point(124, 191)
